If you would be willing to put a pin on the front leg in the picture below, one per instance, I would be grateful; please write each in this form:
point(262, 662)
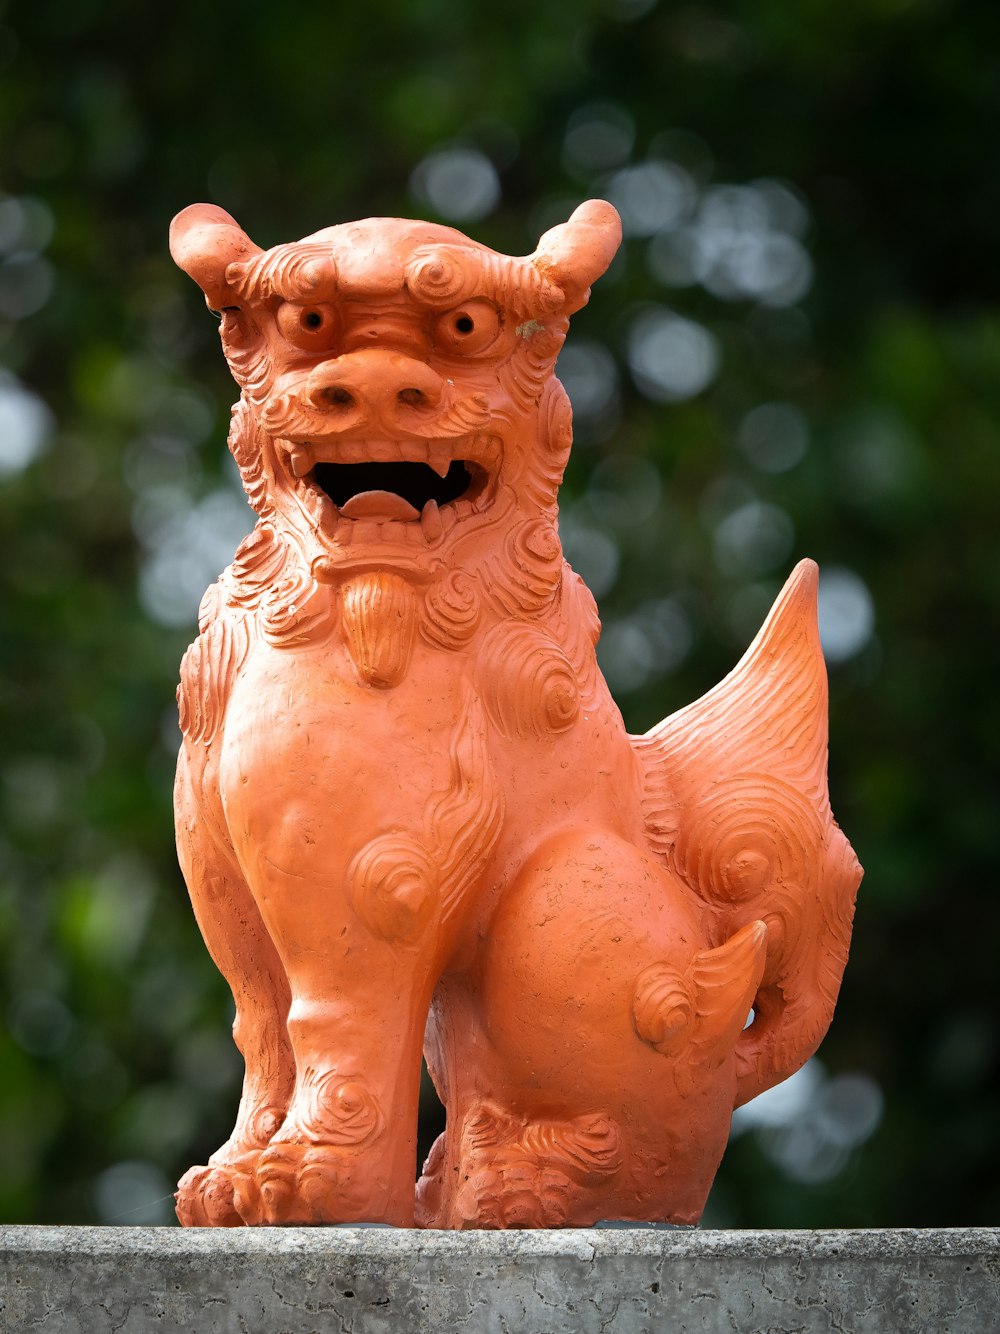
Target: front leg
point(364, 910)
point(362, 964)
point(243, 952)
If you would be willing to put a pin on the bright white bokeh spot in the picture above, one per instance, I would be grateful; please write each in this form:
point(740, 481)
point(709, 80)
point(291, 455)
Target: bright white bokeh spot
point(626, 655)
point(188, 547)
point(668, 629)
point(728, 210)
point(753, 539)
point(778, 271)
point(671, 358)
point(26, 224)
point(804, 1152)
point(809, 1124)
point(26, 283)
point(25, 426)
point(651, 196)
point(846, 613)
point(598, 136)
point(785, 211)
point(850, 1108)
point(654, 640)
point(589, 375)
point(458, 183)
point(741, 244)
point(592, 552)
point(774, 437)
point(784, 1103)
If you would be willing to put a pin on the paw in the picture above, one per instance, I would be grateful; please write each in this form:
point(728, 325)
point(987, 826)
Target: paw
point(299, 1185)
point(205, 1197)
point(515, 1194)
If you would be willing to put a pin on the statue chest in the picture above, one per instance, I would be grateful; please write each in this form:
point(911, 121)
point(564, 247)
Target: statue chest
point(302, 731)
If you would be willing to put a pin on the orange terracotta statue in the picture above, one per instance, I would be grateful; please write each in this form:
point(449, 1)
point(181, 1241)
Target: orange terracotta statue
point(408, 812)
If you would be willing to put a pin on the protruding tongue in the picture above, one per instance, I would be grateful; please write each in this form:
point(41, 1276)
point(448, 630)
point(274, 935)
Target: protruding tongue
point(378, 505)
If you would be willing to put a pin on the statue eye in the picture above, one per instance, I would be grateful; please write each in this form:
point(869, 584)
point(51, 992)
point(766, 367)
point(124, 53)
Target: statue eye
point(468, 329)
point(307, 326)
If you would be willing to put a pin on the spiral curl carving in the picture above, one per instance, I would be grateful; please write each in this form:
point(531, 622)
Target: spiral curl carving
point(393, 887)
point(527, 577)
point(292, 272)
point(752, 831)
point(662, 1006)
point(297, 610)
point(436, 277)
point(330, 1109)
point(755, 846)
point(259, 562)
point(527, 683)
point(453, 607)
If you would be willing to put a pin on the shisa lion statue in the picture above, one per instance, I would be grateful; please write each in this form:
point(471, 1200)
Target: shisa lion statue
point(408, 812)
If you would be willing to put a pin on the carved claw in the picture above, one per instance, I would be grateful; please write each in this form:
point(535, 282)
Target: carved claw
point(205, 1198)
point(299, 1185)
point(515, 1193)
point(247, 1198)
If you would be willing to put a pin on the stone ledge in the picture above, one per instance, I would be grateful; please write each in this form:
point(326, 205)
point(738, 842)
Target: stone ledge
point(77, 1280)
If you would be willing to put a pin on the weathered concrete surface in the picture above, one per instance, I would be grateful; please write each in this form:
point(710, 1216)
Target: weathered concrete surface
point(303, 1281)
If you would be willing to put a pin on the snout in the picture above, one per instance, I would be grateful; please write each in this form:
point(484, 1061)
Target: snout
point(373, 383)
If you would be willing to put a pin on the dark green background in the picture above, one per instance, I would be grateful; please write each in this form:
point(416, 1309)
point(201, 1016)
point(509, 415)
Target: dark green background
point(881, 115)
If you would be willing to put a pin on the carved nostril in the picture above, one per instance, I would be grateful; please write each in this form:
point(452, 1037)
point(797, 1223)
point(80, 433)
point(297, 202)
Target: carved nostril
point(413, 398)
point(336, 396)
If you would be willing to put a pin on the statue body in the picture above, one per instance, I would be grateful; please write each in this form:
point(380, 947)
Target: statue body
point(408, 811)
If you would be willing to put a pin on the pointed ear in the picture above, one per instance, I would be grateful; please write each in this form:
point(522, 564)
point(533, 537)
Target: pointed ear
point(576, 253)
point(204, 241)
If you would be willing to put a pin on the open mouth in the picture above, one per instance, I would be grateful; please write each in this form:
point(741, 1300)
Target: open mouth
point(413, 501)
point(347, 484)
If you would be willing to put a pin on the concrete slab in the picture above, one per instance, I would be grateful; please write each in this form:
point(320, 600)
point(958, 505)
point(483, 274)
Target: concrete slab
point(76, 1280)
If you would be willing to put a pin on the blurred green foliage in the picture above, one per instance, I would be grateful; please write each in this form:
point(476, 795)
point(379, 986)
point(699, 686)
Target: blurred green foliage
point(844, 406)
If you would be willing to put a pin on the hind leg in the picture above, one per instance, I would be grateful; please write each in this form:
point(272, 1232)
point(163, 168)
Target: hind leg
point(242, 950)
point(560, 1113)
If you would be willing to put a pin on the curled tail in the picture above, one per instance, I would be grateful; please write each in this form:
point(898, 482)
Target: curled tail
point(736, 803)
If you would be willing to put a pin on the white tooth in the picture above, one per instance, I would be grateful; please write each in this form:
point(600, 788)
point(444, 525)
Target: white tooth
point(300, 461)
point(315, 503)
point(430, 521)
point(439, 457)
